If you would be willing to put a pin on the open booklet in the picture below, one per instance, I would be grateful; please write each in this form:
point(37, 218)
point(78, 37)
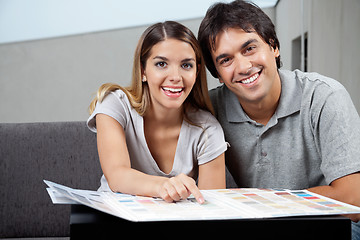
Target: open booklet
point(241, 203)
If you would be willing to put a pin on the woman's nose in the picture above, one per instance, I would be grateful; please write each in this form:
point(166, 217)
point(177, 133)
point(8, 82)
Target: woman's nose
point(175, 75)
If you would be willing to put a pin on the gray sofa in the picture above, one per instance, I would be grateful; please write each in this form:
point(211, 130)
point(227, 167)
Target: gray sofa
point(62, 152)
point(65, 153)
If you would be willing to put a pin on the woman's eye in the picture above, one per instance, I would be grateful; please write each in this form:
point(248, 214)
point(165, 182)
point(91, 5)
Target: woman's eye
point(161, 64)
point(186, 65)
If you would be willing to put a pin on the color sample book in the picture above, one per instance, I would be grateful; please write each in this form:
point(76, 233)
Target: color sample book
point(241, 203)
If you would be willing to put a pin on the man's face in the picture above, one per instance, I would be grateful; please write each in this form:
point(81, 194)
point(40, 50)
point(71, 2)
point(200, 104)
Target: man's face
point(247, 66)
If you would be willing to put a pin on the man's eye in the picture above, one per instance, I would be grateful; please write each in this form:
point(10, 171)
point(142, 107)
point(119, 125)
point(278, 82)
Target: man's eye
point(161, 64)
point(224, 61)
point(249, 49)
point(187, 66)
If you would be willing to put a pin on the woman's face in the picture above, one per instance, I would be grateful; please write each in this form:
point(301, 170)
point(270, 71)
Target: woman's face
point(170, 73)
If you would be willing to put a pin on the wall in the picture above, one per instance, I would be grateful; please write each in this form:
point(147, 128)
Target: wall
point(333, 36)
point(334, 48)
point(288, 27)
point(55, 79)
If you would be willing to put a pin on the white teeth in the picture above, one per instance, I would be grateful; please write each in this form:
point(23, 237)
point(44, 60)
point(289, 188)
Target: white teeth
point(250, 80)
point(172, 89)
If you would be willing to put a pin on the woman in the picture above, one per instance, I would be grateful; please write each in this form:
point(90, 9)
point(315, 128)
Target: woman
point(156, 137)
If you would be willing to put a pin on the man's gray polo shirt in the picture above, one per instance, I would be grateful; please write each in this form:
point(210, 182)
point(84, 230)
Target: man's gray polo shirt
point(312, 139)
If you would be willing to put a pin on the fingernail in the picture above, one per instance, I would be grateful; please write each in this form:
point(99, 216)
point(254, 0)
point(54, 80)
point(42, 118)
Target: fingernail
point(201, 200)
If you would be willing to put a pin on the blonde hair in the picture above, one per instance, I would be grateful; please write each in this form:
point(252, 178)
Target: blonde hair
point(138, 91)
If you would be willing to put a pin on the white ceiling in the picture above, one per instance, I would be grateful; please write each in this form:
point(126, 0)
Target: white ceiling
point(23, 20)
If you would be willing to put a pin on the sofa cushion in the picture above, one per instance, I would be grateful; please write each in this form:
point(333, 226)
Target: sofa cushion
point(63, 152)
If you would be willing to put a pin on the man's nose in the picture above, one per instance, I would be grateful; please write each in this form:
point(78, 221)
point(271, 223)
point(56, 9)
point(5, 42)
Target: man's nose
point(242, 65)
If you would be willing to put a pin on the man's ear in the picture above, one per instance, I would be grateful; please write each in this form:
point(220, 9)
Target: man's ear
point(274, 48)
point(219, 77)
point(277, 52)
point(220, 80)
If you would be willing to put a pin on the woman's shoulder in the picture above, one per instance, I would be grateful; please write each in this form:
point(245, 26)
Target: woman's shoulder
point(117, 97)
point(116, 105)
point(202, 118)
point(119, 93)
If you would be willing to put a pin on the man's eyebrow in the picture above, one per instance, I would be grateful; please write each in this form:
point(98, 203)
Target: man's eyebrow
point(221, 56)
point(248, 42)
point(244, 45)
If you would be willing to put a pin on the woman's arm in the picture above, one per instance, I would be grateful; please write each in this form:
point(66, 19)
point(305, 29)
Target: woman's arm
point(115, 164)
point(115, 160)
point(212, 174)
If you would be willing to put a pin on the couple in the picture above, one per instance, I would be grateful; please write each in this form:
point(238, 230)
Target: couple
point(285, 129)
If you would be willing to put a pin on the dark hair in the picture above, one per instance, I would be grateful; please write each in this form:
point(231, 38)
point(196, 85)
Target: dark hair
point(237, 14)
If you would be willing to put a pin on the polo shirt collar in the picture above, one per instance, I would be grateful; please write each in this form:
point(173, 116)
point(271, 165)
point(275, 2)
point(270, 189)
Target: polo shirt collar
point(290, 99)
point(234, 111)
point(291, 94)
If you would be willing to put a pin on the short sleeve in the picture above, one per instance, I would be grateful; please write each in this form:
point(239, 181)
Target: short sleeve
point(211, 142)
point(338, 133)
point(115, 105)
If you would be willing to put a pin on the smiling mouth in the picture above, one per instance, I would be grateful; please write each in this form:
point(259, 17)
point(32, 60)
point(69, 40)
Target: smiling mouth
point(172, 92)
point(251, 79)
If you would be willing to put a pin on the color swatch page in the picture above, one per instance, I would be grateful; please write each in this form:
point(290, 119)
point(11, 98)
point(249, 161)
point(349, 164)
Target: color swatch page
point(242, 203)
point(282, 203)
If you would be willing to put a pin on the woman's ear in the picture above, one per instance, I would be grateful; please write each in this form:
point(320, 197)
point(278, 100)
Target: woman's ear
point(143, 75)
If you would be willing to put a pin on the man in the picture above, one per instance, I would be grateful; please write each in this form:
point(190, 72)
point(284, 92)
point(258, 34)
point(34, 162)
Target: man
point(286, 129)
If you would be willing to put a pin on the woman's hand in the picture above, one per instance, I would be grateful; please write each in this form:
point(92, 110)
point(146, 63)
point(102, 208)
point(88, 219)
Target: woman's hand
point(180, 187)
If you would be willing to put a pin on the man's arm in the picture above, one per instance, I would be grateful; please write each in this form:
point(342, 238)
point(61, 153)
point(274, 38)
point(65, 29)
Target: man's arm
point(337, 134)
point(345, 189)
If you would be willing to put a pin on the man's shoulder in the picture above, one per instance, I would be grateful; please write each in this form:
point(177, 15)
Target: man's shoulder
point(312, 79)
point(217, 97)
point(217, 92)
point(313, 84)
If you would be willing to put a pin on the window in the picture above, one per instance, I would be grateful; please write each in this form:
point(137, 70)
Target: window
point(296, 53)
